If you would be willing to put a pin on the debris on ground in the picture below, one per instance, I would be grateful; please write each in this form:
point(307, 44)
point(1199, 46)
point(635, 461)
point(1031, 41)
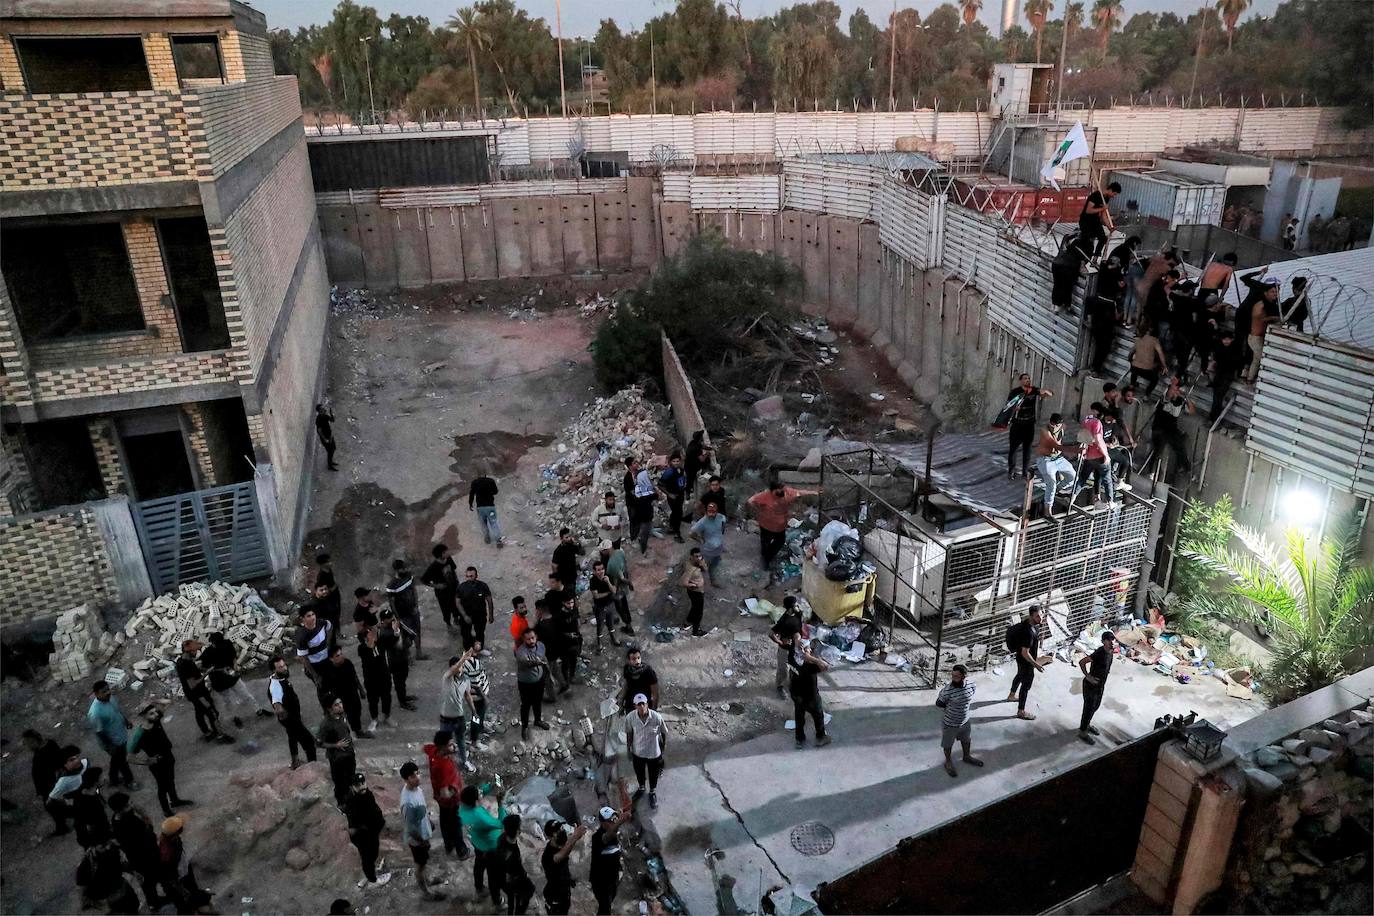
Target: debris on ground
point(198, 609)
point(593, 305)
point(591, 453)
point(79, 643)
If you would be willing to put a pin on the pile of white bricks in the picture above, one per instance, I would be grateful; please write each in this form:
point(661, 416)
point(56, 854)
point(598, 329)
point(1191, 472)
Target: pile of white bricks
point(80, 643)
point(195, 611)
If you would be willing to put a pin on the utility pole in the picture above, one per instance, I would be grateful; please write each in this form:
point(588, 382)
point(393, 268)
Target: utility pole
point(653, 74)
point(367, 60)
point(1197, 58)
point(562, 89)
point(892, 58)
point(1063, 52)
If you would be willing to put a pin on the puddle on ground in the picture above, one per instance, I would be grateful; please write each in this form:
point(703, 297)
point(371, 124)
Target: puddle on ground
point(494, 453)
point(371, 526)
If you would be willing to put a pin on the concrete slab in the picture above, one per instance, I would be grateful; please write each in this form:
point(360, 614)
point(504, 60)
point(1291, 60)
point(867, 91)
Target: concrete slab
point(815, 265)
point(882, 780)
point(677, 224)
point(445, 239)
point(377, 239)
point(343, 253)
point(870, 274)
point(613, 237)
point(639, 215)
point(843, 267)
point(546, 236)
point(479, 242)
point(579, 233)
point(412, 248)
point(511, 221)
point(790, 237)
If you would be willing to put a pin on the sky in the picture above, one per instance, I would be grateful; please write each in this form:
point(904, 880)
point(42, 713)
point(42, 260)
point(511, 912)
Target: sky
point(581, 17)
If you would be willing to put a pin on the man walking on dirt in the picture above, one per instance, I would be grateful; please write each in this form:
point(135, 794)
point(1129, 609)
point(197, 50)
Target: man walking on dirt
point(287, 706)
point(475, 599)
point(415, 826)
point(365, 823)
point(1095, 669)
point(337, 740)
point(112, 729)
point(405, 605)
point(482, 496)
point(442, 576)
point(150, 739)
point(447, 783)
point(324, 417)
point(771, 509)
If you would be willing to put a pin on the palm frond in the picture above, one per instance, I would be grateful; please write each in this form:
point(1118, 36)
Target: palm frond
point(1275, 561)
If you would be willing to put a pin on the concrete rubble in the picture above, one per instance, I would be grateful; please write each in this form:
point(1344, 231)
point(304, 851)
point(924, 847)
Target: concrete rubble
point(198, 609)
point(590, 459)
point(79, 644)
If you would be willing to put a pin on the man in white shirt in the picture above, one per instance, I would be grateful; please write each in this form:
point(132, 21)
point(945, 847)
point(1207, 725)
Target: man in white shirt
point(646, 735)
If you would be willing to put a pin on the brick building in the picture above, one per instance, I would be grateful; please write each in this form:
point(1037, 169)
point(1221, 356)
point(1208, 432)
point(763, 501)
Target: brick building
point(163, 303)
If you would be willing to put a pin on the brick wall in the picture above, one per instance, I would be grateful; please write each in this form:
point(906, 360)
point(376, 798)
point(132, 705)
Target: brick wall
point(53, 561)
point(11, 75)
point(257, 56)
point(95, 139)
point(286, 424)
point(240, 117)
point(686, 415)
point(150, 278)
point(200, 446)
point(16, 483)
point(264, 238)
point(231, 52)
point(107, 456)
point(150, 374)
point(162, 68)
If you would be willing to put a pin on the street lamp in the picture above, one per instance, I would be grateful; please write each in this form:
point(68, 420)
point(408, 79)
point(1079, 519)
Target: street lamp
point(367, 61)
point(1302, 508)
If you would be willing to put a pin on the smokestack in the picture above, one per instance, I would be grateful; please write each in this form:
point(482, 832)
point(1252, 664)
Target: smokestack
point(1011, 11)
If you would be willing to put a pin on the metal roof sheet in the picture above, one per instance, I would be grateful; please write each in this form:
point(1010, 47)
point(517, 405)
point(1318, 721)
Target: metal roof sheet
point(1340, 293)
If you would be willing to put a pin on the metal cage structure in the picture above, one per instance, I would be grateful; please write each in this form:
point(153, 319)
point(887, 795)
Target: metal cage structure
point(947, 597)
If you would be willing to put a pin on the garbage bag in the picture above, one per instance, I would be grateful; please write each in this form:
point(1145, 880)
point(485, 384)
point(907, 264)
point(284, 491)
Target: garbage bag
point(841, 570)
point(832, 530)
point(845, 547)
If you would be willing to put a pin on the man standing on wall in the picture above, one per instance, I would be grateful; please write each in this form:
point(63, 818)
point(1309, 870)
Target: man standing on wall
point(1021, 428)
point(1023, 639)
point(1095, 668)
point(1094, 223)
point(482, 496)
point(771, 509)
point(324, 417)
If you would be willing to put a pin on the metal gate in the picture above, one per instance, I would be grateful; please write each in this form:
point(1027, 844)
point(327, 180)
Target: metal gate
point(1064, 835)
point(203, 535)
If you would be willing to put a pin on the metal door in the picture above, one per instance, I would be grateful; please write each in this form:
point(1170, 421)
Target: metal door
point(203, 535)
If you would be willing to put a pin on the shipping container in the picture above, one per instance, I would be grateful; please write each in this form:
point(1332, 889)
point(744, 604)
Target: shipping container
point(1016, 202)
point(1166, 199)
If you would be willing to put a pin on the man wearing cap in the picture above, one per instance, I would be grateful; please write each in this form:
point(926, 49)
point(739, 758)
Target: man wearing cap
point(197, 693)
point(365, 823)
point(1095, 669)
point(484, 831)
point(287, 706)
point(646, 735)
point(415, 826)
point(170, 851)
point(112, 729)
point(336, 738)
point(606, 858)
point(150, 739)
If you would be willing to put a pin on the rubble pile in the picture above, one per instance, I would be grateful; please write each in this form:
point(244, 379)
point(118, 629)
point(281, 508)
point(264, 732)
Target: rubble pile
point(590, 306)
point(1313, 795)
point(198, 609)
point(80, 643)
point(591, 459)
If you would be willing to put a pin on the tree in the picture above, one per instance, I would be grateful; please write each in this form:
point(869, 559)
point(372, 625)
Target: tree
point(1230, 12)
point(1106, 16)
point(467, 28)
point(1037, 11)
point(970, 9)
point(1312, 594)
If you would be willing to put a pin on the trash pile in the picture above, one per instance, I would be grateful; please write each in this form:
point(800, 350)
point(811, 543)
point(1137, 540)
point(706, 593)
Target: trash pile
point(198, 609)
point(1174, 655)
point(815, 329)
point(590, 306)
point(591, 459)
point(345, 301)
point(80, 642)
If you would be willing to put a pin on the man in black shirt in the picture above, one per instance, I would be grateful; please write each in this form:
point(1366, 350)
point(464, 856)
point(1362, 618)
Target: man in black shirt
point(151, 740)
point(323, 418)
point(545, 626)
point(337, 740)
point(805, 667)
point(639, 678)
point(405, 606)
point(1095, 222)
point(482, 497)
point(569, 640)
point(478, 611)
point(376, 676)
point(1223, 371)
point(365, 823)
point(1023, 639)
point(287, 706)
point(391, 640)
point(1095, 670)
point(331, 602)
point(713, 495)
point(1294, 310)
point(134, 833)
point(565, 558)
point(197, 693)
point(343, 683)
point(47, 759)
point(788, 625)
point(558, 882)
point(442, 576)
point(1021, 430)
point(1104, 310)
point(1164, 428)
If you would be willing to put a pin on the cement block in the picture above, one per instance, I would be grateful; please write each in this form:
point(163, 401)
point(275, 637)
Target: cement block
point(639, 216)
point(445, 237)
point(511, 219)
point(677, 223)
point(843, 268)
point(477, 228)
point(412, 248)
point(613, 235)
point(343, 250)
point(376, 235)
point(578, 233)
point(546, 236)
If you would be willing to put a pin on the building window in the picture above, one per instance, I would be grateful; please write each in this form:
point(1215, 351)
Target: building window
point(83, 64)
point(69, 280)
point(195, 283)
point(197, 59)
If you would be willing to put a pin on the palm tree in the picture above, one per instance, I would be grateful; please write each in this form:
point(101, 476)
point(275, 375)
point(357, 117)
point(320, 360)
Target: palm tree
point(1073, 17)
point(1037, 11)
point(1231, 11)
point(970, 8)
point(1312, 594)
point(1106, 16)
point(468, 28)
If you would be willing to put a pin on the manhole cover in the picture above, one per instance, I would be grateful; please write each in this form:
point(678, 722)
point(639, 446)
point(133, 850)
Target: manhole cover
point(812, 838)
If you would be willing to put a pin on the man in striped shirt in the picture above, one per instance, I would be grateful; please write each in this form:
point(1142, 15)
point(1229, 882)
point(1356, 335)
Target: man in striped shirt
point(476, 674)
point(955, 699)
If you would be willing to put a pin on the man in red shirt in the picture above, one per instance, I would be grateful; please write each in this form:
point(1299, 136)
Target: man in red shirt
point(1096, 466)
point(771, 508)
point(447, 783)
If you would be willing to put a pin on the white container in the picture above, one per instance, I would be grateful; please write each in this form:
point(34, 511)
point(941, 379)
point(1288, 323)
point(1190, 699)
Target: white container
point(1165, 198)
